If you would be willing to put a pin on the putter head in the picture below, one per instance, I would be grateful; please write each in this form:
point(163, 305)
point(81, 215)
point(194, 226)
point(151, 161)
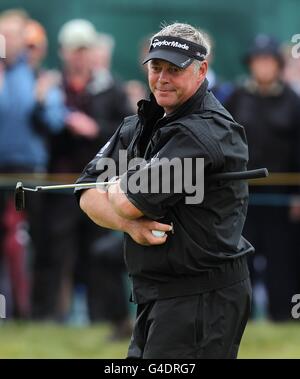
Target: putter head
point(19, 197)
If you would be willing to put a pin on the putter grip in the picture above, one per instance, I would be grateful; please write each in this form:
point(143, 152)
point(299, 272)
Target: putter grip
point(19, 197)
point(251, 174)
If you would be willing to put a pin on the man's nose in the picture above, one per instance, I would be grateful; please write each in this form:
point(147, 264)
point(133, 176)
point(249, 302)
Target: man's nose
point(163, 76)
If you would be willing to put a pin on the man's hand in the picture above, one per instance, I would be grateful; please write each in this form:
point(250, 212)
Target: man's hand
point(45, 82)
point(97, 206)
point(82, 125)
point(140, 231)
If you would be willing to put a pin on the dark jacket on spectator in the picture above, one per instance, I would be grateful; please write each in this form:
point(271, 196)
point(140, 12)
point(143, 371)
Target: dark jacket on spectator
point(272, 124)
point(104, 100)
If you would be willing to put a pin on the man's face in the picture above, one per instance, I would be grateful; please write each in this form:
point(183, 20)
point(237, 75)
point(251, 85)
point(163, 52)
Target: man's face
point(12, 30)
point(36, 53)
point(101, 57)
point(265, 69)
point(77, 59)
point(171, 85)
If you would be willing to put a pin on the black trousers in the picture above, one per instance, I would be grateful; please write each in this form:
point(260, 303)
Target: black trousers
point(208, 325)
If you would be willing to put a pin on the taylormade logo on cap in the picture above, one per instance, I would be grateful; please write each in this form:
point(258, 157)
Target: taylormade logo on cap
point(157, 43)
point(182, 51)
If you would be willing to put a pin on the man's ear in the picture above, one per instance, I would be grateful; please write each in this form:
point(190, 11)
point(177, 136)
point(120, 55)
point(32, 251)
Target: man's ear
point(203, 70)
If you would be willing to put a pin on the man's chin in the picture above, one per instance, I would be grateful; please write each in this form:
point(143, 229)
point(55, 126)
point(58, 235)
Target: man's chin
point(164, 101)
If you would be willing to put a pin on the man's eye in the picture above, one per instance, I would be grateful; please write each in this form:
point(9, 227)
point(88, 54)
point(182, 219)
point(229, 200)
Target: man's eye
point(175, 69)
point(155, 68)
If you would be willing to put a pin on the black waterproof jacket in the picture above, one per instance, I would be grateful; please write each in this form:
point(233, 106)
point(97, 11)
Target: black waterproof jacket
point(207, 250)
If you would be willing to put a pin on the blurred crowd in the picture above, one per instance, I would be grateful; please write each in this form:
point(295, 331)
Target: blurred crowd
point(52, 257)
point(54, 122)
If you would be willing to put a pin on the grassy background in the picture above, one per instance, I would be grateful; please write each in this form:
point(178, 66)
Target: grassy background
point(28, 340)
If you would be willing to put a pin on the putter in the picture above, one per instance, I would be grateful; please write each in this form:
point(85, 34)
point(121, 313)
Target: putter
point(235, 175)
point(20, 190)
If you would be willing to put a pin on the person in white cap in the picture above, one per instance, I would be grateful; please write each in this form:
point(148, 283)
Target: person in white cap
point(94, 114)
point(77, 33)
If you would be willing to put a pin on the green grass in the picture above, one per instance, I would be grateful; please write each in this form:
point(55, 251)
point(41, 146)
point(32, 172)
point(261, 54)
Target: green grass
point(28, 340)
point(269, 340)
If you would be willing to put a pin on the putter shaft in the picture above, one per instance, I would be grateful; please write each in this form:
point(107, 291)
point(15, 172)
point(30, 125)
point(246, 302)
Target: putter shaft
point(20, 190)
point(66, 186)
point(239, 175)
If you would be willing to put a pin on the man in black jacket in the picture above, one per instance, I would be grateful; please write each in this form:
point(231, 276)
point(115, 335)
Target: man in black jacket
point(191, 286)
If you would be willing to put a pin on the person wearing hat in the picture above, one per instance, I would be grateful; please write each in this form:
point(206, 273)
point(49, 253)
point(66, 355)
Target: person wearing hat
point(26, 122)
point(75, 254)
point(270, 112)
point(187, 261)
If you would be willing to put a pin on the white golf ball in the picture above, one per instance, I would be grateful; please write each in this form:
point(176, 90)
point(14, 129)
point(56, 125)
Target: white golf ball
point(158, 233)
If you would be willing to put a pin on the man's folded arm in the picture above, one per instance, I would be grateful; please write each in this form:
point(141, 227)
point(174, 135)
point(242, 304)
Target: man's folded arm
point(97, 206)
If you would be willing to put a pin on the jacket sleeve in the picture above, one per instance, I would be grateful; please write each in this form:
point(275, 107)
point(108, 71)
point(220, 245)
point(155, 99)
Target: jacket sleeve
point(175, 173)
point(109, 161)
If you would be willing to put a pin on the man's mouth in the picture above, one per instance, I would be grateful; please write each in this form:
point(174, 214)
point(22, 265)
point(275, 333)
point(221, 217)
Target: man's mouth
point(164, 90)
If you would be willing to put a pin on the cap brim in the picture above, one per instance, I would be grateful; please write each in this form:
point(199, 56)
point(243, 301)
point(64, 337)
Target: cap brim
point(179, 60)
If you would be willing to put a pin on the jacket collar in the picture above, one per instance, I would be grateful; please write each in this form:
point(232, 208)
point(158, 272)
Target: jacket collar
point(192, 104)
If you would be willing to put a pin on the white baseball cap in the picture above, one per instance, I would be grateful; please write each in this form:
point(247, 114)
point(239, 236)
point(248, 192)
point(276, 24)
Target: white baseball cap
point(77, 33)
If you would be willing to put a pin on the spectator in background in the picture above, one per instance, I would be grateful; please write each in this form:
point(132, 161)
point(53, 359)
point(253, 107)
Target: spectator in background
point(75, 250)
point(136, 91)
point(36, 43)
point(23, 146)
point(107, 294)
point(270, 112)
point(220, 89)
point(101, 60)
point(109, 90)
point(102, 53)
